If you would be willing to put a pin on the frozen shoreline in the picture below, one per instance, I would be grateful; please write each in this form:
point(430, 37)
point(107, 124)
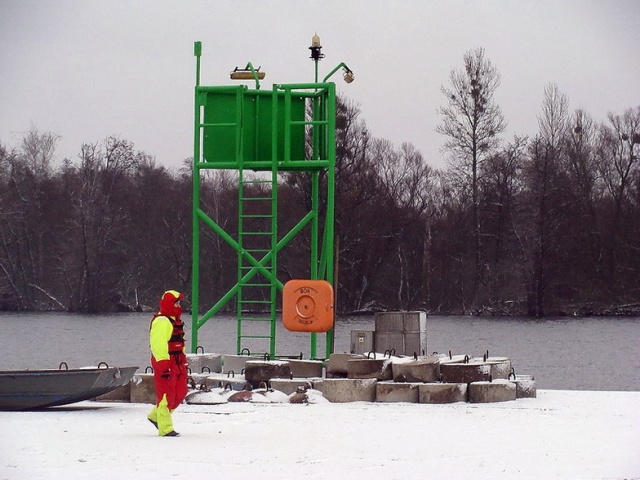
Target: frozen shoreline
point(560, 434)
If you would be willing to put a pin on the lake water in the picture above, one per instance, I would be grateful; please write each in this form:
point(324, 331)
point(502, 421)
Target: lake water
point(561, 353)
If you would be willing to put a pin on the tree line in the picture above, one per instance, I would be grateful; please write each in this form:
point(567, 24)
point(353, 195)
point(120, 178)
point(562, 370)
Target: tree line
point(540, 225)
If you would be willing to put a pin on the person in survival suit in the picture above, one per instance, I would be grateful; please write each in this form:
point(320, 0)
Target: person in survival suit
point(169, 362)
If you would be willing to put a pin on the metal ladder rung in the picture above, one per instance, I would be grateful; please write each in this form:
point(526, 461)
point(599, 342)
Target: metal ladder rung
point(256, 233)
point(309, 122)
point(257, 211)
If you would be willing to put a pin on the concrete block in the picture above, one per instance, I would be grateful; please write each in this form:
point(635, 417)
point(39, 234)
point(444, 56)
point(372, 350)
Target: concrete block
point(340, 390)
point(143, 391)
point(257, 372)
point(465, 372)
point(337, 363)
point(380, 369)
point(500, 367)
point(290, 386)
point(120, 394)
point(525, 386)
point(205, 362)
point(425, 369)
point(444, 358)
point(442, 392)
point(201, 397)
point(306, 368)
point(237, 363)
point(488, 392)
point(397, 392)
point(221, 380)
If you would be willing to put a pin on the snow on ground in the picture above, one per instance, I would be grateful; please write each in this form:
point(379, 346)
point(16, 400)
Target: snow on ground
point(560, 434)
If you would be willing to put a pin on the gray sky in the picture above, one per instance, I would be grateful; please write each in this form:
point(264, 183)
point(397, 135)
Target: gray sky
point(88, 69)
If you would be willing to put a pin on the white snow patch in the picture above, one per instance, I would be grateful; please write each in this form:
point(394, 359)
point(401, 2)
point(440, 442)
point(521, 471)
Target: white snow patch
point(560, 434)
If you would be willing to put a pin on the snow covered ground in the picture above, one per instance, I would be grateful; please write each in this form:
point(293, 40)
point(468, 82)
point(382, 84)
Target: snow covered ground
point(560, 434)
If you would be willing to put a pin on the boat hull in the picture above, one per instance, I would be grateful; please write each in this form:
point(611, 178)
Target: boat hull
point(33, 389)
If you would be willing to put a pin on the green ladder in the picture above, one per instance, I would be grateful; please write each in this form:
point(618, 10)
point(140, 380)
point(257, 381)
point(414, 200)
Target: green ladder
point(257, 287)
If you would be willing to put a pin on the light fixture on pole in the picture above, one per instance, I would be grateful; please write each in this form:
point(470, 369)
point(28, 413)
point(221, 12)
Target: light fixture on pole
point(317, 55)
point(248, 73)
point(316, 52)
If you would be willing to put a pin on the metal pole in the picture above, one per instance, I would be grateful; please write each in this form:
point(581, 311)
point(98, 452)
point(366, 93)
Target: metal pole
point(331, 155)
point(195, 254)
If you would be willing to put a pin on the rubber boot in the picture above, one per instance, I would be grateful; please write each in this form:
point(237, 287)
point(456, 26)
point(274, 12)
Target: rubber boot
point(165, 422)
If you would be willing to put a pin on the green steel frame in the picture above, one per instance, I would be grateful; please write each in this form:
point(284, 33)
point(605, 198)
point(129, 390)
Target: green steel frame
point(233, 126)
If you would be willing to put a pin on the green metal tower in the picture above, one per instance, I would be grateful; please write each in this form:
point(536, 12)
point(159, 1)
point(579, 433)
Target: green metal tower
point(289, 128)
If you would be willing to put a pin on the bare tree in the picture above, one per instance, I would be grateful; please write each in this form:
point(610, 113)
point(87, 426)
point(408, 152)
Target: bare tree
point(38, 149)
point(501, 186)
point(28, 216)
point(408, 184)
point(539, 225)
point(581, 160)
point(472, 122)
point(97, 230)
point(618, 164)
point(585, 191)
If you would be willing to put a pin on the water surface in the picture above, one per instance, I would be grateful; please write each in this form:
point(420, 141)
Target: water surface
point(599, 353)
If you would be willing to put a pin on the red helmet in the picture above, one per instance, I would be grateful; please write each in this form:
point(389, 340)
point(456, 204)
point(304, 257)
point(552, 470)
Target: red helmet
point(168, 303)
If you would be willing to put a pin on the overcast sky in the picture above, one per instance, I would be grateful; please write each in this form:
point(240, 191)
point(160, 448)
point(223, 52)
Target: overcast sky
point(89, 69)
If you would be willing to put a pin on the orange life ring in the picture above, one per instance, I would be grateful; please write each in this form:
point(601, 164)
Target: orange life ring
point(307, 306)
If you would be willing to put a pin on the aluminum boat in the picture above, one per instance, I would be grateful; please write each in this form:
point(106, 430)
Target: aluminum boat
point(34, 389)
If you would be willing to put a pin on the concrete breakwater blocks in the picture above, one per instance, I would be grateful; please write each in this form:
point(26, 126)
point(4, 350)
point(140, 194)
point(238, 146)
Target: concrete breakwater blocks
point(342, 390)
point(397, 392)
point(236, 363)
point(221, 380)
point(380, 369)
point(144, 390)
point(257, 372)
point(500, 367)
point(426, 369)
point(205, 362)
point(465, 372)
point(450, 359)
point(337, 365)
point(525, 386)
point(120, 394)
point(489, 392)
point(442, 392)
point(306, 368)
point(290, 386)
